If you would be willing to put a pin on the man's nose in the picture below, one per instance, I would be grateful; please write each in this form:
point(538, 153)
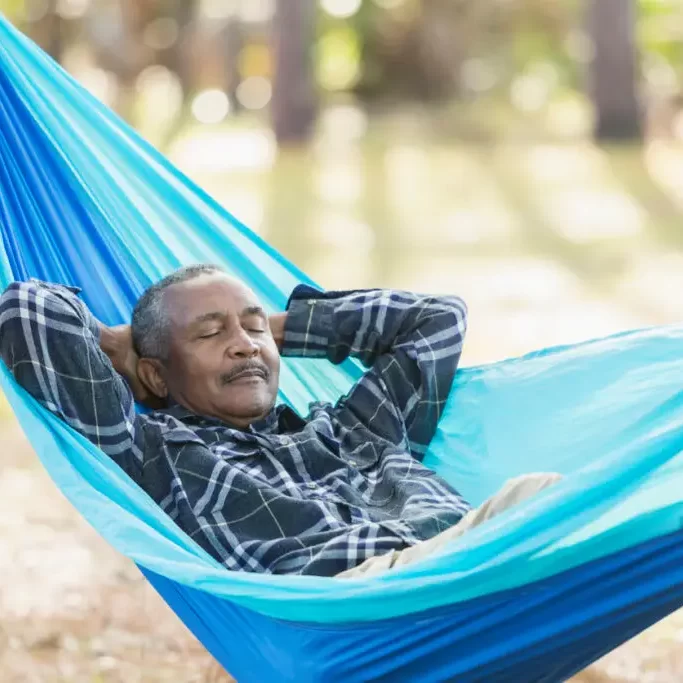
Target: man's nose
point(242, 346)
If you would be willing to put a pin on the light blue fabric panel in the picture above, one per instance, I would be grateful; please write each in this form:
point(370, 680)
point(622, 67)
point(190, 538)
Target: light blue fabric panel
point(83, 200)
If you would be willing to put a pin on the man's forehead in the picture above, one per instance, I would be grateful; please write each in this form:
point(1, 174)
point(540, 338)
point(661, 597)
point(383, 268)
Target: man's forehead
point(208, 290)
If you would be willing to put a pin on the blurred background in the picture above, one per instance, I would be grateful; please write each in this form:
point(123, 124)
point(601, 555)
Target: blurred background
point(525, 154)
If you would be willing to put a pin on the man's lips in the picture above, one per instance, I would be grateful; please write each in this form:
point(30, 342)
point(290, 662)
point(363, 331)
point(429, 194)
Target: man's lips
point(249, 372)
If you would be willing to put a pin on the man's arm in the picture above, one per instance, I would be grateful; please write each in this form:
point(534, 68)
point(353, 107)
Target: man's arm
point(50, 342)
point(412, 343)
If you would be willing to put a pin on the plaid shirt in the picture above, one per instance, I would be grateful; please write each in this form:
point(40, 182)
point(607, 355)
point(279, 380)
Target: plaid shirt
point(315, 495)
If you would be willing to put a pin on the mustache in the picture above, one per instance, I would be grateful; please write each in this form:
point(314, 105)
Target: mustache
point(249, 366)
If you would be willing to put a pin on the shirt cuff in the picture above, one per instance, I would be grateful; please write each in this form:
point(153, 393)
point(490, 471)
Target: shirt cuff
point(308, 324)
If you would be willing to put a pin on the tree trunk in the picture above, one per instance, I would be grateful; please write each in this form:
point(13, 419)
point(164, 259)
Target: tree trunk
point(48, 31)
point(176, 58)
point(294, 102)
point(232, 42)
point(613, 89)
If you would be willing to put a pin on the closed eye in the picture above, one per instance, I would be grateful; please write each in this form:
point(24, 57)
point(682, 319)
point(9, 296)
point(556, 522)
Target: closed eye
point(208, 335)
point(254, 324)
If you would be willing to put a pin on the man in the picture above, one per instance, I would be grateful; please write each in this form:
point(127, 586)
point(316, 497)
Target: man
point(340, 492)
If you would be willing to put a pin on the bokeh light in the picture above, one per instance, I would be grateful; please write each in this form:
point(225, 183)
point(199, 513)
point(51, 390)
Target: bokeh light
point(160, 93)
point(255, 59)
point(217, 10)
point(531, 90)
point(478, 75)
point(389, 4)
point(343, 123)
point(341, 9)
point(161, 33)
point(254, 92)
point(256, 11)
point(338, 64)
point(101, 83)
point(207, 151)
point(211, 106)
point(72, 9)
point(340, 179)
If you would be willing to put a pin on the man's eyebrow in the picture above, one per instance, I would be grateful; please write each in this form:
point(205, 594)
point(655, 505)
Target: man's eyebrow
point(217, 315)
point(254, 310)
point(206, 317)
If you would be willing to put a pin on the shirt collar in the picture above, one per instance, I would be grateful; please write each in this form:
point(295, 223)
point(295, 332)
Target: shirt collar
point(281, 419)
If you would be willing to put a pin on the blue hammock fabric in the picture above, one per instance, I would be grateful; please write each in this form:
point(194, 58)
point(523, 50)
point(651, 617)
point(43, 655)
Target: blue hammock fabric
point(533, 595)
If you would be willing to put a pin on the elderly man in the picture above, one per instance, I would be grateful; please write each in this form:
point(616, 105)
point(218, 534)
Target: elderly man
point(262, 489)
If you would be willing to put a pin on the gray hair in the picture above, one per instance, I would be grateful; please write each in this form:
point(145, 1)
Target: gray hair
point(150, 322)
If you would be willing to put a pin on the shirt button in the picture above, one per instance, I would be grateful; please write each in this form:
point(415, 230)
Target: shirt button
point(353, 463)
point(312, 485)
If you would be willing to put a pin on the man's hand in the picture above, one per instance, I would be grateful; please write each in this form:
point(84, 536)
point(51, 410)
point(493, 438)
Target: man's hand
point(117, 343)
point(277, 328)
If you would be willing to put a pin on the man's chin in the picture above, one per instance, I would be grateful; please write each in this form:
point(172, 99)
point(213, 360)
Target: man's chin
point(250, 403)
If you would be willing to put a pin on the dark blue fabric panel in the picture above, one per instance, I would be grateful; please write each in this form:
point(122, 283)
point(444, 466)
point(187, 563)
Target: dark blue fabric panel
point(544, 632)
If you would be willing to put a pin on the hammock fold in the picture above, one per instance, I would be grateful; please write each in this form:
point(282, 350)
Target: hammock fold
point(533, 595)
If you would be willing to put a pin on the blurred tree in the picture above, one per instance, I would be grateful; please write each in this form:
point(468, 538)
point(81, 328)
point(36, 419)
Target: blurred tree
point(115, 30)
point(611, 25)
point(175, 54)
point(48, 28)
point(232, 44)
point(293, 106)
point(415, 50)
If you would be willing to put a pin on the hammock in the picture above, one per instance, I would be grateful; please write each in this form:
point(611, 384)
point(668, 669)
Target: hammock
point(533, 595)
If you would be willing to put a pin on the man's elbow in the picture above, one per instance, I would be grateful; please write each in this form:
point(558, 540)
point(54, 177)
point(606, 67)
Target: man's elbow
point(454, 313)
point(25, 309)
point(18, 293)
point(14, 308)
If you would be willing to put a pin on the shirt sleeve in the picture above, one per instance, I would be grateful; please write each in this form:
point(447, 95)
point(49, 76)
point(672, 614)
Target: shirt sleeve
point(49, 340)
point(411, 342)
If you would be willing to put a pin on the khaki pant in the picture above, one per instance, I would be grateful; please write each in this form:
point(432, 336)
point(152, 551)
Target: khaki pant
point(513, 492)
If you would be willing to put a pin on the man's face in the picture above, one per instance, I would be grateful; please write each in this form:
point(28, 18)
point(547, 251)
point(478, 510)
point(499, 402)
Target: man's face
point(223, 361)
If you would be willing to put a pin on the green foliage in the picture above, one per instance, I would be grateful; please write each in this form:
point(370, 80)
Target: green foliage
point(12, 8)
point(660, 33)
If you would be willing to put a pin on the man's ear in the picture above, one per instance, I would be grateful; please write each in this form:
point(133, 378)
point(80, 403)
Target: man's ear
point(151, 374)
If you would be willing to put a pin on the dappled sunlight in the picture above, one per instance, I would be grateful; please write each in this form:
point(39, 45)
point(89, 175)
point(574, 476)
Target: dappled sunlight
point(665, 162)
point(553, 165)
point(578, 195)
point(218, 151)
point(246, 205)
point(334, 269)
point(340, 125)
point(587, 215)
point(655, 281)
point(410, 179)
point(510, 217)
point(339, 180)
point(517, 304)
point(443, 197)
point(473, 224)
point(343, 233)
